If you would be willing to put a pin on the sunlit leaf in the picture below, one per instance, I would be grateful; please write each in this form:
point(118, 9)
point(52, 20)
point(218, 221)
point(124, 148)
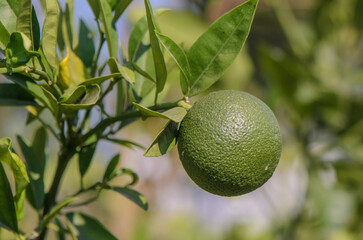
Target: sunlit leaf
point(164, 141)
point(7, 16)
point(180, 58)
point(176, 114)
point(19, 170)
point(159, 63)
point(125, 71)
point(109, 28)
point(217, 48)
point(50, 32)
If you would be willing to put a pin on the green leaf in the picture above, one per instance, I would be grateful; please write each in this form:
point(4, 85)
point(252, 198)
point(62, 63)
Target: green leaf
point(4, 36)
point(13, 95)
point(89, 99)
point(32, 88)
point(28, 24)
point(67, 25)
point(217, 48)
point(94, 4)
point(55, 210)
point(7, 16)
point(111, 168)
point(52, 101)
point(35, 172)
point(8, 218)
point(36, 31)
point(85, 157)
point(176, 114)
point(50, 32)
point(132, 195)
point(120, 8)
point(99, 80)
point(142, 72)
point(86, 47)
point(73, 95)
point(89, 228)
point(159, 63)
point(19, 46)
point(126, 72)
point(180, 58)
point(19, 170)
point(15, 5)
point(126, 143)
point(164, 141)
point(136, 37)
point(109, 28)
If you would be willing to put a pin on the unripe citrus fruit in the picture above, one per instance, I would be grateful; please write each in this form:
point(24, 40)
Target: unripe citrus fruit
point(229, 143)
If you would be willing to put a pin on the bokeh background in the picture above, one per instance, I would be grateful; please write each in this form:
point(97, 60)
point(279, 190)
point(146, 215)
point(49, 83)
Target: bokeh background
point(305, 60)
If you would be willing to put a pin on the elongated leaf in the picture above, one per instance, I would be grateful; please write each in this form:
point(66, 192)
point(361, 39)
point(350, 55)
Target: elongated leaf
point(32, 88)
point(125, 71)
point(132, 195)
point(142, 72)
point(28, 24)
point(36, 174)
point(35, 31)
point(89, 228)
point(109, 28)
point(4, 36)
point(99, 80)
point(74, 95)
point(8, 218)
point(7, 16)
point(85, 157)
point(67, 25)
point(14, 95)
point(86, 47)
point(50, 32)
point(89, 99)
point(180, 58)
point(126, 143)
point(52, 101)
point(55, 210)
point(164, 141)
point(25, 18)
point(15, 5)
point(19, 170)
point(94, 4)
point(111, 168)
point(217, 48)
point(159, 63)
point(120, 8)
point(176, 114)
point(136, 37)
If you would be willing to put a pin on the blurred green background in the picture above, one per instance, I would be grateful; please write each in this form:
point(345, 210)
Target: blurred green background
point(305, 60)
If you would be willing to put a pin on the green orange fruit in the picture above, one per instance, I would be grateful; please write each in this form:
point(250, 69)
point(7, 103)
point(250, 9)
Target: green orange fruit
point(229, 143)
